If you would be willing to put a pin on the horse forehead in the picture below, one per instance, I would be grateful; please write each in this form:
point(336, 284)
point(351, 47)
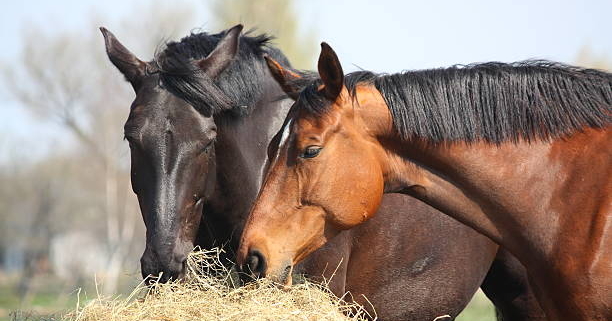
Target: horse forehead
point(311, 124)
point(169, 115)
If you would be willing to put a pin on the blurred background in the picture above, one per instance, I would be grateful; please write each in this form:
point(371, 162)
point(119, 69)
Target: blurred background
point(67, 212)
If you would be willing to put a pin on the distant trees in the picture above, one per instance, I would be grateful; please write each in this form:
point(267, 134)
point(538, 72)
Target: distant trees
point(65, 79)
point(276, 17)
point(587, 58)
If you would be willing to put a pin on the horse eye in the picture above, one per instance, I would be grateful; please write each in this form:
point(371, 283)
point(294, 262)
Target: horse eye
point(311, 151)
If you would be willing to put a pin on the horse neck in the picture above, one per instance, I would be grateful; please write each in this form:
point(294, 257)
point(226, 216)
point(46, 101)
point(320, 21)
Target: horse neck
point(477, 185)
point(511, 192)
point(241, 152)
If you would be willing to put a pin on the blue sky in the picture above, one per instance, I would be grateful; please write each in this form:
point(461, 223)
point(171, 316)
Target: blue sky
point(388, 37)
point(383, 36)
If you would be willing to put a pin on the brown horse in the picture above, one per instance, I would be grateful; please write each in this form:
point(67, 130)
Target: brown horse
point(520, 152)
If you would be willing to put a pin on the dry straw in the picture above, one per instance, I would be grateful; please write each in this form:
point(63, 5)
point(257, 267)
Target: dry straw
point(208, 293)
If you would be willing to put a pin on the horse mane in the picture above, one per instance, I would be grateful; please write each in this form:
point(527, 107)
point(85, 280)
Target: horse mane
point(493, 102)
point(236, 89)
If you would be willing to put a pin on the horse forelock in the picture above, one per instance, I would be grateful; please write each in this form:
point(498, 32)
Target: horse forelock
point(182, 77)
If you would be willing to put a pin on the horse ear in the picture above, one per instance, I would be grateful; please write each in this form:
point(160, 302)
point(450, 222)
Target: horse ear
point(223, 54)
point(284, 77)
point(330, 71)
point(132, 68)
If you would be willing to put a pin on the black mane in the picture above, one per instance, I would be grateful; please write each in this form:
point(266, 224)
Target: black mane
point(494, 102)
point(236, 89)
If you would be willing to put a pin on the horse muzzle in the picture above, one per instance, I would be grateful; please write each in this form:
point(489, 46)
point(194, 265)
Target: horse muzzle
point(160, 267)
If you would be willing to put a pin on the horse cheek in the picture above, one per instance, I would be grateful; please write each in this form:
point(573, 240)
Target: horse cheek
point(373, 194)
point(362, 198)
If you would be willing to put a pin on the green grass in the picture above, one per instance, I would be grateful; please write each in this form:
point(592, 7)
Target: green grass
point(479, 309)
point(49, 297)
point(44, 301)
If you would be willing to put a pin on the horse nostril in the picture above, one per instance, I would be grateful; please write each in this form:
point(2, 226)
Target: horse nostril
point(256, 263)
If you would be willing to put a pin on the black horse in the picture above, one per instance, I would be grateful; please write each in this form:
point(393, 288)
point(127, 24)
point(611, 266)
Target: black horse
point(205, 110)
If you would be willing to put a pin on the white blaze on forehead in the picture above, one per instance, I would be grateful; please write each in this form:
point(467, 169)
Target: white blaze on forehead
point(285, 134)
point(284, 137)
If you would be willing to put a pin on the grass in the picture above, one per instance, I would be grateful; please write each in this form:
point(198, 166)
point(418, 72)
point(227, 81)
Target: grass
point(46, 299)
point(49, 296)
point(479, 309)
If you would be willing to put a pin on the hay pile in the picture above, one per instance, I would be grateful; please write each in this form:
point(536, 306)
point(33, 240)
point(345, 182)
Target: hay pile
point(208, 293)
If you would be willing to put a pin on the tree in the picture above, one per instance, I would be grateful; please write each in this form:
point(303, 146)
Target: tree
point(587, 58)
point(276, 17)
